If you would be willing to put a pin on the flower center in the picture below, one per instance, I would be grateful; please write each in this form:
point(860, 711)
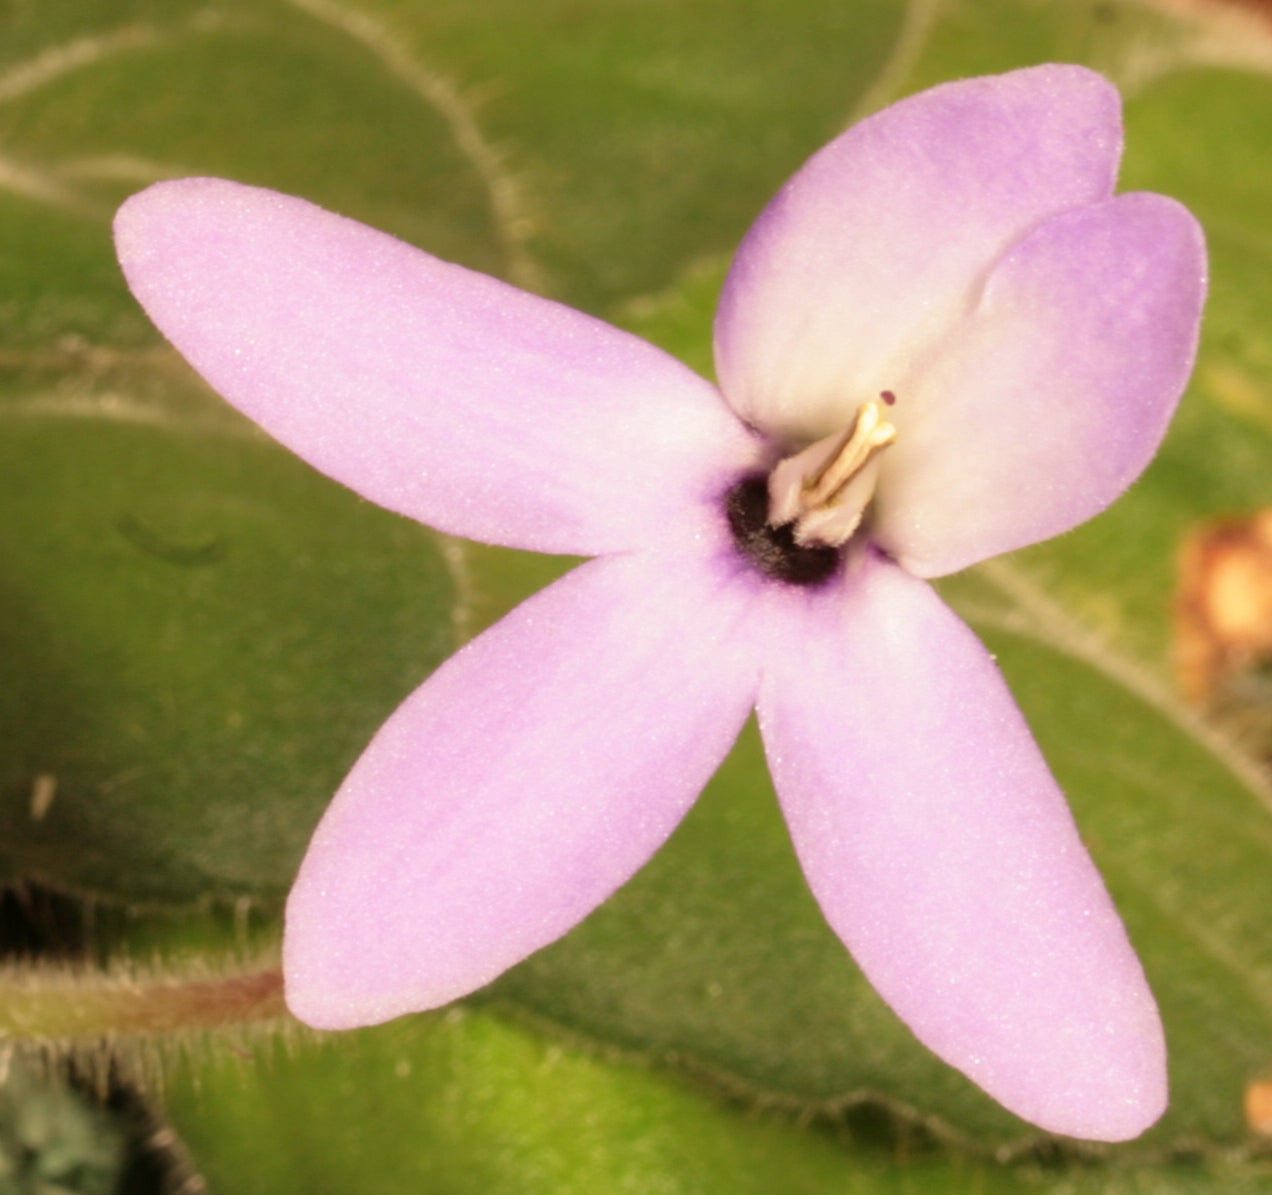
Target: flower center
point(793, 524)
point(824, 490)
point(773, 550)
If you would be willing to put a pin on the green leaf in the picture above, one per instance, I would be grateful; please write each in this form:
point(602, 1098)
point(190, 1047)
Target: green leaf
point(466, 1103)
point(53, 1140)
point(639, 137)
point(188, 701)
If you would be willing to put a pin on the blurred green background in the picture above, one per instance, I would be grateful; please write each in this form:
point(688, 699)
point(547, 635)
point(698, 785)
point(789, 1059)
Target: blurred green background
point(199, 634)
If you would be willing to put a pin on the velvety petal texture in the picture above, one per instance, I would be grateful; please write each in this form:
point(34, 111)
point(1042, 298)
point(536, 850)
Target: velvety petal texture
point(942, 852)
point(437, 392)
point(1049, 399)
point(518, 788)
point(883, 239)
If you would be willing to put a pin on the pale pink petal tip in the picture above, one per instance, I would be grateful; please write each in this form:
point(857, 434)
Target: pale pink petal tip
point(516, 790)
point(943, 853)
point(1054, 393)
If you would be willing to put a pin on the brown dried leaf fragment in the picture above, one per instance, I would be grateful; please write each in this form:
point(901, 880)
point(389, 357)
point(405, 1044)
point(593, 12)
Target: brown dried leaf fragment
point(1223, 605)
point(1258, 1106)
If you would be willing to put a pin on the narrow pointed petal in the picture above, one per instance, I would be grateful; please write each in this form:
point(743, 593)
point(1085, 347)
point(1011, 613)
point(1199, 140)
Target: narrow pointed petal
point(435, 391)
point(943, 854)
point(882, 239)
point(1054, 394)
point(518, 788)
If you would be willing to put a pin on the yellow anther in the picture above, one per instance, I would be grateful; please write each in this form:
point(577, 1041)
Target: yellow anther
point(867, 437)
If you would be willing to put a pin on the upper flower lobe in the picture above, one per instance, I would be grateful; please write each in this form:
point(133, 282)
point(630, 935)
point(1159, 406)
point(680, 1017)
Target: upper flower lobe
point(959, 255)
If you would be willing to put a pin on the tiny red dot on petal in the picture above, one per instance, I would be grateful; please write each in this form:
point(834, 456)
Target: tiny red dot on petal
point(888, 396)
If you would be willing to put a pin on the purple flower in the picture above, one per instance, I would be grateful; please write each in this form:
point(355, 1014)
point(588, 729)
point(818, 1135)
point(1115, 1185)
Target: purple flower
point(942, 340)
